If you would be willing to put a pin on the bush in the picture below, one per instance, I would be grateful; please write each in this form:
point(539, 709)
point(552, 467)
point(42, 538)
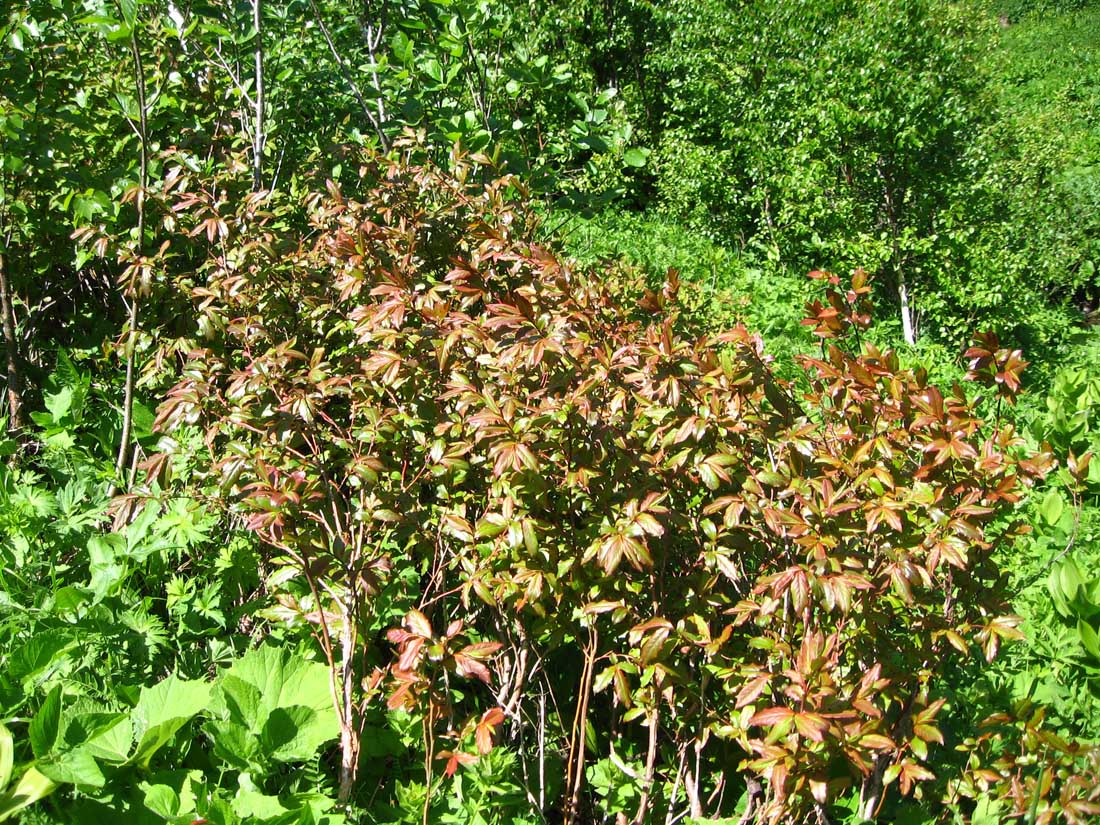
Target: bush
point(421, 409)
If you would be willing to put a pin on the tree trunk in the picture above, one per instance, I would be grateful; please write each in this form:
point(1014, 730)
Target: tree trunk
point(907, 327)
point(16, 421)
point(349, 733)
point(893, 196)
point(870, 792)
point(258, 116)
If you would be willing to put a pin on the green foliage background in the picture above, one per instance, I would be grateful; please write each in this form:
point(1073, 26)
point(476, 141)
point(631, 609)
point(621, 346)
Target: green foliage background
point(156, 664)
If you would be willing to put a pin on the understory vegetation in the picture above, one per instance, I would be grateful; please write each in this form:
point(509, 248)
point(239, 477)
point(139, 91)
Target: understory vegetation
point(453, 411)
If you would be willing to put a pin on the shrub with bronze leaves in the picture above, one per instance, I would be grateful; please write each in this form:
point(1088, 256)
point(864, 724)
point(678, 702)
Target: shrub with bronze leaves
point(689, 553)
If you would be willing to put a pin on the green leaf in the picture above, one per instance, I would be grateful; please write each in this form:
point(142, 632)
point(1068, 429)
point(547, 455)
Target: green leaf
point(59, 403)
point(7, 756)
point(1089, 638)
point(38, 655)
point(920, 748)
point(107, 572)
point(244, 702)
point(46, 725)
point(172, 794)
point(288, 734)
point(635, 157)
point(32, 786)
point(129, 11)
point(123, 32)
point(66, 373)
point(250, 804)
point(1051, 508)
point(432, 68)
point(709, 477)
point(891, 774)
point(69, 599)
point(112, 743)
point(161, 711)
point(234, 743)
point(1070, 579)
point(266, 680)
point(105, 735)
point(988, 811)
point(161, 800)
point(285, 680)
point(76, 767)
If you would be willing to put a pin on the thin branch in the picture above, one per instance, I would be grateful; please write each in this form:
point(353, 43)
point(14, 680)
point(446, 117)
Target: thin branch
point(348, 78)
point(132, 321)
point(258, 118)
point(372, 36)
point(650, 768)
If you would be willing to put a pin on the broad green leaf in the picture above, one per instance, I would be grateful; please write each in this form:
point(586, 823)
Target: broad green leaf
point(115, 35)
point(161, 711)
point(1070, 578)
point(31, 787)
point(46, 724)
point(107, 572)
point(250, 803)
point(243, 701)
point(129, 11)
point(289, 734)
point(161, 800)
point(279, 681)
point(76, 767)
point(59, 403)
point(988, 811)
point(320, 805)
point(432, 68)
point(234, 743)
point(173, 791)
point(143, 418)
point(39, 654)
point(1090, 640)
point(1051, 508)
point(7, 756)
point(283, 679)
point(69, 599)
point(106, 736)
point(635, 158)
point(143, 538)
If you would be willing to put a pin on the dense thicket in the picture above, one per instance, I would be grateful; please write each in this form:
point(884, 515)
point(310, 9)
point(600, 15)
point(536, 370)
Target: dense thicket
point(389, 437)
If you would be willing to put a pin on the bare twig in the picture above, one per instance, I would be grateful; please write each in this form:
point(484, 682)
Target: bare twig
point(676, 784)
point(130, 344)
point(380, 101)
point(575, 772)
point(258, 118)
point(753, 792)
point(650, 767)
point(375, 122)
